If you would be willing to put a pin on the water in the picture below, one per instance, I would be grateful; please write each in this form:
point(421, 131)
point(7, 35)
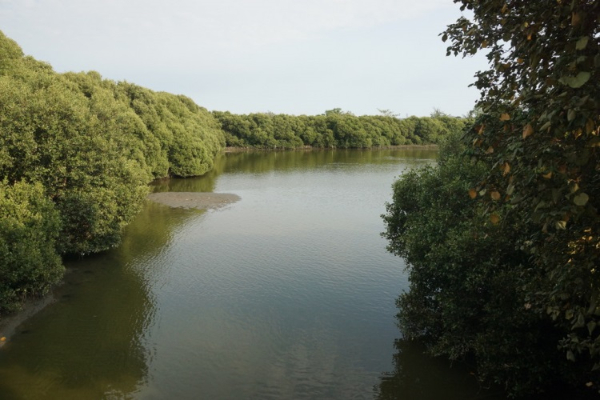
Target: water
point(288, 293)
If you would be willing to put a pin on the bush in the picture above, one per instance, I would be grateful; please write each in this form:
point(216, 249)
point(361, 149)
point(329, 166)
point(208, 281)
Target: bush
point(29, 228)
point(468, 280)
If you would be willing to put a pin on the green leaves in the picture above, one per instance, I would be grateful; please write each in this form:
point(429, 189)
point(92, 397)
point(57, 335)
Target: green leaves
point(335, 129)
point(582, 43)
point(581, 199)
point(544, 78)
point(466, 276)
point(29, 227)
point(576, 81)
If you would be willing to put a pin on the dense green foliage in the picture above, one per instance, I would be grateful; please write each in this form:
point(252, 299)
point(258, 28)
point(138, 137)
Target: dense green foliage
point(76, 155)
point(334, 129)
point(29, 226)
point(187, 136)
point(466, 276)
point(503, 247)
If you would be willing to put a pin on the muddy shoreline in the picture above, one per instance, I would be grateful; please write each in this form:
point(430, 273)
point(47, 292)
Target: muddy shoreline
point(10, 323)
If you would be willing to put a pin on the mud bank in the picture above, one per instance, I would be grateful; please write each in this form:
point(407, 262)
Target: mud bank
point(201, 201)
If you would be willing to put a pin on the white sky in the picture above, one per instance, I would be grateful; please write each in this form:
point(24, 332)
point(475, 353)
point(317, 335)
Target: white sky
point(284, 56)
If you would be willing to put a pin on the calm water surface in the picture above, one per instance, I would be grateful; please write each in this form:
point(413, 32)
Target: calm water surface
point(287, 294)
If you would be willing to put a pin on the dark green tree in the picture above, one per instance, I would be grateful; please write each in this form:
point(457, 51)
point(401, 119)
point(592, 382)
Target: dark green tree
point(29, 228)
point(539, 132)
point(466, 277)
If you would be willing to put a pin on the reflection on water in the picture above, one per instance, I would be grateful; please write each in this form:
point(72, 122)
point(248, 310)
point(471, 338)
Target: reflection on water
point(288, 293)
point(89, 344)
point(260, 162)
point(417, 377)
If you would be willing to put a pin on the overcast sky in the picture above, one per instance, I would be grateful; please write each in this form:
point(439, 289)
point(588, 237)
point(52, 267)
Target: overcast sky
point(284, 56)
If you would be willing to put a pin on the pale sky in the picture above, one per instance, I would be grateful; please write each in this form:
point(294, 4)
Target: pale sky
point(284, 56)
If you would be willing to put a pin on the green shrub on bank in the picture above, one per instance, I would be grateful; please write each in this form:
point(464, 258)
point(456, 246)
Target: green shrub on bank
point(74, 146)
point(29, 229)
point(467, 277)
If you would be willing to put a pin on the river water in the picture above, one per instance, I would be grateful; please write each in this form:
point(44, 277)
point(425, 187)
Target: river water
point(286, 294)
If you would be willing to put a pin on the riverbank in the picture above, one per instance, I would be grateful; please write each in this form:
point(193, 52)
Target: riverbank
point(10, 323)
point(310, 148)
point(186, 200)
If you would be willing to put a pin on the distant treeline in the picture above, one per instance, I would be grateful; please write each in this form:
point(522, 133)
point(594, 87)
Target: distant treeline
point(334, 129)
point(77, 153)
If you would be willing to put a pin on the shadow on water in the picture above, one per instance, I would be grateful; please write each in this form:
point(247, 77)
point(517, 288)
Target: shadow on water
point(205, 183)
point(90, 343)
point(419, 377)
point(81, 337)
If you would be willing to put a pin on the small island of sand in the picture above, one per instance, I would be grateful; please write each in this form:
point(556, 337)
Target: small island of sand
point(198, 200)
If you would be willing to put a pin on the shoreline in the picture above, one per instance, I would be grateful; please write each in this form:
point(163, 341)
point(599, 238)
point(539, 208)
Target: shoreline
point(10, 323)
point(310, 148)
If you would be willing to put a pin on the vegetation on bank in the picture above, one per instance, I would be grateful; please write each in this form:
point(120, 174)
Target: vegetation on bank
point(76, 155)
point(502, 236)
point(334, 129)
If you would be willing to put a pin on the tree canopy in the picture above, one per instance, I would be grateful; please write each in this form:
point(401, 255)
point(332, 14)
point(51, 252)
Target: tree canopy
point(540, 134)
point(334, 129)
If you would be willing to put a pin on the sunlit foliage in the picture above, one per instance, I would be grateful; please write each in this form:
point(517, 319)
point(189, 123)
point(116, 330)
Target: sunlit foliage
point(29, 227)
